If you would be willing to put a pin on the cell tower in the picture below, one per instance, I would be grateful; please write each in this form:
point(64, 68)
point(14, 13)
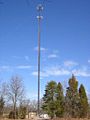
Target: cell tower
point(39, 17)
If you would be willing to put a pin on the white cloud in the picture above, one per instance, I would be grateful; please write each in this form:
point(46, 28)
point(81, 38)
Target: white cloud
point(16, 57)
point(81, 72)
point(52, 56)
point(11, 68)
point(88, 61)
point(60, 71)
point(22, 57)
point(42, 74)
point(53, 71)
point(42, 49)
point(26, 58)
point(70, 63)
point(55, 51)
point(23, 67)
point(5, 68)
point(32, 95)
point(56, 71)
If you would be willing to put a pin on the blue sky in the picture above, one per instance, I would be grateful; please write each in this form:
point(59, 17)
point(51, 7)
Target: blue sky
point(65, 42)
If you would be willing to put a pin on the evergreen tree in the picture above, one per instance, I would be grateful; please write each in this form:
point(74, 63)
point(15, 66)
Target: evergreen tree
point(72, 98)
point(59, 101)
point(49, 98)
point(88, 113)
point(83, 102)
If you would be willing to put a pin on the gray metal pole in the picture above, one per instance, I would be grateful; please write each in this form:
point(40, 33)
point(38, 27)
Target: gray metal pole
point(38, 65)
point(39, 8)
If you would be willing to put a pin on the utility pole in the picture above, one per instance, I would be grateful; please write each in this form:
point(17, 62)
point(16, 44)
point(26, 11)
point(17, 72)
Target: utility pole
point(39, 17)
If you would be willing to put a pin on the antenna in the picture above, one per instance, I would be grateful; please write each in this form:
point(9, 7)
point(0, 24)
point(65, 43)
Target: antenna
point(39, 17)
point(28, 2)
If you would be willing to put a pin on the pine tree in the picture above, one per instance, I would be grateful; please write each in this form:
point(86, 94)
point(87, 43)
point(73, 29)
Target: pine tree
point(83, 101)
point(59, 101)
point(72, 98)
point(49, 99)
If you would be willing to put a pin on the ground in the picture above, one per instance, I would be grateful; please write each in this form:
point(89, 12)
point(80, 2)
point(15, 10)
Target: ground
point(53, 119)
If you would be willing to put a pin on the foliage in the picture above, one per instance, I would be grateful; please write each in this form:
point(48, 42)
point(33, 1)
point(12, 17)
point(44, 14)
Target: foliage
point(73, 104)
point(88, 112)
point(55, 102)
point(83, 102)
point(49, 98)
point(59, 101)
point(72, 98)
point(54, 99)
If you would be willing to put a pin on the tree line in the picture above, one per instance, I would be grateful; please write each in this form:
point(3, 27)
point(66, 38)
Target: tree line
point(55, 102)
point(73, 103)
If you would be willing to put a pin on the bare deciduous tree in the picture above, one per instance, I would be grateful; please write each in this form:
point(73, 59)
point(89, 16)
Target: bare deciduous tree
point(15, 91)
